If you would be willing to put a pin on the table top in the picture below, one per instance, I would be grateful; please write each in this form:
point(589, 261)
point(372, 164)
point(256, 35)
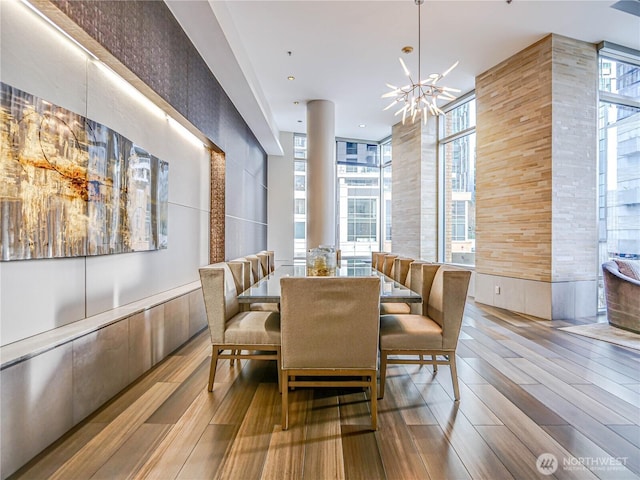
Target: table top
point(268, 288)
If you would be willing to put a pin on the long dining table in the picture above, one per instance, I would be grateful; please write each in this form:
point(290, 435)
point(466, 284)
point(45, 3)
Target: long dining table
point(267, 290)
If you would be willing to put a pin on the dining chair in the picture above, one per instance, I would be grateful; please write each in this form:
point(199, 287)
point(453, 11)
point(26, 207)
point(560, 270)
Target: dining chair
point(401, 269)
point(387, 264)
point(251, 276)
point(400, 275)
point(264, 262)
point(272, 260)
point(377, 259)
point(256, 268)
point(435, 331)
point(247, 275)
point(330, 331)
point(233, 330)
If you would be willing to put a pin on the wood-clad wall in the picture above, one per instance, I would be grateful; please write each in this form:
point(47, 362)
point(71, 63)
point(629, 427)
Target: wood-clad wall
point(536, 161)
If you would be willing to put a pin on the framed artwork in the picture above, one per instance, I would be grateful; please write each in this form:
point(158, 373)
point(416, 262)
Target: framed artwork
point(70, 186)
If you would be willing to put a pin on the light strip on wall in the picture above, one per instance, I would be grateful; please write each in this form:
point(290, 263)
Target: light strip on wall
point(152, 107)
point(184, 132)
point(65, 34)
point(130, 89)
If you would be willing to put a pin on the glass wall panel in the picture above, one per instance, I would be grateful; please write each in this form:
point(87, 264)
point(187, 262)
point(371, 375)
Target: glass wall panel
point(300, 195)
point(458, 160)
point(619, 164)
point(385, 150)
point(363, 207)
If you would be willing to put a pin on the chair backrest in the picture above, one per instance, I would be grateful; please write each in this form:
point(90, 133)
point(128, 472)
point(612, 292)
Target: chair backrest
point(256, 268)
point(401, 269)
point(330, 322)
point(247, 276)
point(387, 265)
point(220, 298)
point(272, 260)
point(237, 271)
point(377, 259)
point(264, 262)
point(415, 283)
point(446, 288)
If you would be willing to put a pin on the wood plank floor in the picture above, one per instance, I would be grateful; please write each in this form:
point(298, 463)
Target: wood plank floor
point(526, 388)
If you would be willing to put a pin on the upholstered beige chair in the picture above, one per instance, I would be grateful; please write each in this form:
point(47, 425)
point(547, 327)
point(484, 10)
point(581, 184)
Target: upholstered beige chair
point(435, 332)
point(400, 275)
point(387, 264)
point(377, 260)
point(329, 329)
point(256, 268)
point(401, 269)
point(272, 260)
point(259, 263)
point(247, 274)
point(232, 329)
point(264, 262)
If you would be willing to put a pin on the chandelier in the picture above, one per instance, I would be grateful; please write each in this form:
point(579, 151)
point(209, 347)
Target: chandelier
point(421, 97)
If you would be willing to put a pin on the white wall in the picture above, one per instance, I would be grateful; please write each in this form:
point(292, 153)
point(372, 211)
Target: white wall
point(280, 203)
point(40, 295)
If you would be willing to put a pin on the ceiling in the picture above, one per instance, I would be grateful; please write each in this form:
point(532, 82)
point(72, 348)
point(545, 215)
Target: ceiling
point(346, 51)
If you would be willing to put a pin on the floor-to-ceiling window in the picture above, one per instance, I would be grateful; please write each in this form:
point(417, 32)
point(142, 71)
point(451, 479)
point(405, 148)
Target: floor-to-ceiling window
point(619, 157)
point(385, 203)
point(358, 191)
point(300, 195)
point(363, 197)
point(457, 150)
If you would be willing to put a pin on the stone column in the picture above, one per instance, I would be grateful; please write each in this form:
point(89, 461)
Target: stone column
point(321, 173)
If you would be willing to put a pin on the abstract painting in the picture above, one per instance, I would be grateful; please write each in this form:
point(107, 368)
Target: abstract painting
point(70, 186)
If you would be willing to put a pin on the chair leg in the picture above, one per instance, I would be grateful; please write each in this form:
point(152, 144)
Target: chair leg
point(383, 372)
point(435, 365)
point(374, 403)
point(279, 371)
point(212, 369)
point(285, 400)
point(454, 376)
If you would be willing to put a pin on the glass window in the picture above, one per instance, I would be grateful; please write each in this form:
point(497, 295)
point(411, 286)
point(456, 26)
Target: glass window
point(300, 195)
point(300, 230)
point(619, 163)
point(362, 220)
point(359, 197)
point(358, 189)
point(459, 119)
point(385, 155)
point(458, 157)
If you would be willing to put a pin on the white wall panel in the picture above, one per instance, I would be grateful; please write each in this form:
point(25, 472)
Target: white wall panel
point(115, 280)
point(40, 295)
point(281, 202)
point(35, 405)
point(47, 65)
point(40, 61)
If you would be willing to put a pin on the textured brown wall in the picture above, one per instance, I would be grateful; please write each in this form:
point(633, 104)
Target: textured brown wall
point(536, 146)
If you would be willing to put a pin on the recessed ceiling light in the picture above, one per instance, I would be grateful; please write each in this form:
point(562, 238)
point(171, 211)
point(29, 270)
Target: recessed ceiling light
point(299, 121)
point(296, 102)
point(291, 77)
point(362, 125)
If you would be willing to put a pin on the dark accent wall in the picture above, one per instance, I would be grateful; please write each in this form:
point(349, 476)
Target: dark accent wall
point(149, 41)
